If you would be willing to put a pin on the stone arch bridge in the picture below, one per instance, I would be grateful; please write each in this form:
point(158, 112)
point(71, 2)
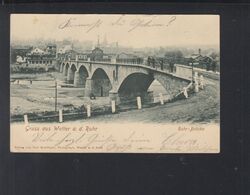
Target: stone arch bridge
point(119, 81)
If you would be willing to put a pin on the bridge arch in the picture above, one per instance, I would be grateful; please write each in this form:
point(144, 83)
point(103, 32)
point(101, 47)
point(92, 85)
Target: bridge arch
point(65, 69)
point(135, 84)
point(80, 76)
point(61, 67)
point(71, 73)
point(106, 69)
point(157, 87)
point(148, 86)
point(101, 84)
point(173, 85)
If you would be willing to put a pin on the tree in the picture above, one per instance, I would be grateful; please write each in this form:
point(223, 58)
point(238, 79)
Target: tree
point(173, 57)
point(177, 54)
point(213, 55)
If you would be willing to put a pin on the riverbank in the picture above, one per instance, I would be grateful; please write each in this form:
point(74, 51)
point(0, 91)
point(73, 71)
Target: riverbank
point(202, 107)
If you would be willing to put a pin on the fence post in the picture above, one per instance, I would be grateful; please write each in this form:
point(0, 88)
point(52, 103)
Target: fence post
point(185, 92)
point(202, 82)
point(26, 121)
point(139, 102)
point(88, 111)
point(196, 84)
point(60, 116)
point(113, 106)
point(161, 98)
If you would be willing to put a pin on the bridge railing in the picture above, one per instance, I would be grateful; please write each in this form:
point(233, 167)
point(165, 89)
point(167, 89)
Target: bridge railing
point(155, 64)
point(130, 61)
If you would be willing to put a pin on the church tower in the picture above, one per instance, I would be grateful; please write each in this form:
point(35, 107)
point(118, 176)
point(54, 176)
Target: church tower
point(98, 41)
point(105, 42)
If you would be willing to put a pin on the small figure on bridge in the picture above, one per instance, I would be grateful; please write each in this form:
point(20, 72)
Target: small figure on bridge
point(171, 66)
point(149, 61)
point(92, 96)
point(153, 62)
point(161, 63)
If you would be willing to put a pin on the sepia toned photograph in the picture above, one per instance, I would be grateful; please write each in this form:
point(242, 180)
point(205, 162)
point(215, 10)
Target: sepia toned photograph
point(115, 83)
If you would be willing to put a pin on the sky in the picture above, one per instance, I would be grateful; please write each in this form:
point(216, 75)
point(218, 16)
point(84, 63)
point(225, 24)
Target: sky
point(127, 30)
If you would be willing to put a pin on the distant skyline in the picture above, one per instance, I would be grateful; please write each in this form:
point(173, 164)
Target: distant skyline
point(128, 30)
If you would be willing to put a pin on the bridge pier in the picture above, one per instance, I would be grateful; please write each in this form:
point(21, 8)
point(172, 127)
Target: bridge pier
point(88, 87)
point(77, 79)
point(65, 71)
point(61, 68)
point(70, 75)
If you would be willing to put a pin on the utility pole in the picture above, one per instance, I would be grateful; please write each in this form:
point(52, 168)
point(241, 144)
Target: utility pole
point(55, 96)
point(192, 71)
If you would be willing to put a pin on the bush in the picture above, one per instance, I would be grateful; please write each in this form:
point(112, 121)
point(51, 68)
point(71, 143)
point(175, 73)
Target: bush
point(26, 69)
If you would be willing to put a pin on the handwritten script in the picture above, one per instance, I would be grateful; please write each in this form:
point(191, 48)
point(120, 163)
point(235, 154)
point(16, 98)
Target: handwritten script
point(115, 138)
point(70, 23)
point(121, 21)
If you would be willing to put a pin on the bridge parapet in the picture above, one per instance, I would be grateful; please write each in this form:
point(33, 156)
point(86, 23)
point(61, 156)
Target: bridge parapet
point(177, 74)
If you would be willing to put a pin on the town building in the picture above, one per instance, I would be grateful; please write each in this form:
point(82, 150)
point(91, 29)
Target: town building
point(51, 49)
point(44, 58)
point(129, 58)
point(96, 54)
point(18, 53)
point(201, 61)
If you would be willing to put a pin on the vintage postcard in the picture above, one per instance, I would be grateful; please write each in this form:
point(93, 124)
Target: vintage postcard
point(115, 83)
